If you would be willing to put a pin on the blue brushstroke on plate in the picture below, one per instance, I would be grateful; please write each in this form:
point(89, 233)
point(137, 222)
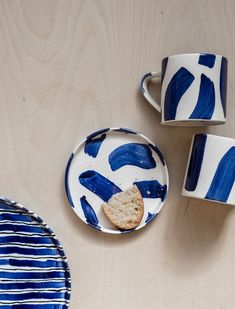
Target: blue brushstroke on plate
point(195, 163)
point(34, 295)
point(157, 150)
point(224, 178)
point(28, 251)
point(136, 154)
point(66, 181)
point(206, 100)
point(223, 83)
point(36, 306)
point(150, 217)
point(30, 263)
point(151, 189)
point(207, 59)
point(34, 263)
point(98, 184)
point(89, 212)
point(125, 130)
point(92, 146)
point(28, 240)
point(176, 88)
point(31, 275)
point(142, 81)
point(22, 228)
point(19, 285)
point(96, 133)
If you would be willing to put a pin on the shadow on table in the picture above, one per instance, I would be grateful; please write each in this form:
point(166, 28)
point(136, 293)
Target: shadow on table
point(197, 235)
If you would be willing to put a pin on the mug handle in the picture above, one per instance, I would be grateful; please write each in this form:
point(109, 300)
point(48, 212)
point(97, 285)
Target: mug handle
point(144, 89)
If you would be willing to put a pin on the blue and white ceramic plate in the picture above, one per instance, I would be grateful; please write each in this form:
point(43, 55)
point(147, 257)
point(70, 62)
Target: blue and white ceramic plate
point(34, 271)
point(109, 161)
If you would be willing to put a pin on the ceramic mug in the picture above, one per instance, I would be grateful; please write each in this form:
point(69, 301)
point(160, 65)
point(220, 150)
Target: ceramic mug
point(210, 173)
point(193, 89)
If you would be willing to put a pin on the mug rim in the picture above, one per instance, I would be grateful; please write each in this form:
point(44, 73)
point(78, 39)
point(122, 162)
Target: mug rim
point(215, 136)
point(194, 54)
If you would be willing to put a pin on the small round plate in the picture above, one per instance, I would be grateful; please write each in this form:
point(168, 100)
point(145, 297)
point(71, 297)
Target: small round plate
point(109, 161)
point(34, 272)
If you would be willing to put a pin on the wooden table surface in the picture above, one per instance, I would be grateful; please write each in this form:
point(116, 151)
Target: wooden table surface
point(68, 68)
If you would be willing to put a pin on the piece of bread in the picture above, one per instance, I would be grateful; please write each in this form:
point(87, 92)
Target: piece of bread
point(125, 209)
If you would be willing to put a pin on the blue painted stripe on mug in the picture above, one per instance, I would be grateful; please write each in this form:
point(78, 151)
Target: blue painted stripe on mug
point(151, 189)
point(206, 100)
point(178, 85)
point(164, 67)
point(34, 285)
point(92, 146)
point(66, 181)
point(195, 163)
point(224, 178)
point(32, 275)
point(135, 154)
point(34, 295)
point(223, 83)
point(98, 184)
point(207, 59)
point(89, 212)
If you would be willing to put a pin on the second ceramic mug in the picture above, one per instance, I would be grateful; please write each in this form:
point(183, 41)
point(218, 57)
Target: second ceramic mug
point(193, 89)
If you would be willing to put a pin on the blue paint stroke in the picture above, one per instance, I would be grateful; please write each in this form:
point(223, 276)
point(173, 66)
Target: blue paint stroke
point(178, 85)
point(46, 263)
point(207, 59)
point(36, 306)
point(92, 146)
point(224, 178)
point(132, 154)
point(98, 184)
point(34, 285)
point(164, 66)
point(150, 217)
point(151, 189)
point(125, 130)
point(96, 133)
point(157, 150)
point(32, 275)
point(34, 295)
point(28, 251)
point(223, 83)
point(195, 163)
point(67, 181)
point(23, 228)
point(206, 100)
point(89, 213)
point(15, 217)
point(28, 240)
point(142, 81)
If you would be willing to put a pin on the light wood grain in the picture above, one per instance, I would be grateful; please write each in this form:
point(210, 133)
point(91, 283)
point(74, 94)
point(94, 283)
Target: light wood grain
point(68, 68)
